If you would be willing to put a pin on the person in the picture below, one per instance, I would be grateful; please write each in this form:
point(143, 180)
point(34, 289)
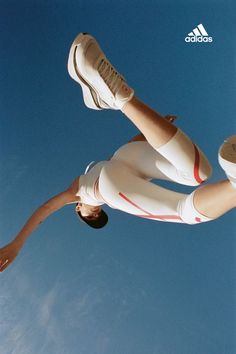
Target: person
point(123, 182)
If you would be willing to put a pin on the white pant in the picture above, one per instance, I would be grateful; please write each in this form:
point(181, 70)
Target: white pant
point(124, 181)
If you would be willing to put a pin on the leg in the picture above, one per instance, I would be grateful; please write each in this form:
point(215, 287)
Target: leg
point(149, 163)
point(190, 163)
point(214, 200)
point(121, 187)
point(156, 129)
point(103, 87)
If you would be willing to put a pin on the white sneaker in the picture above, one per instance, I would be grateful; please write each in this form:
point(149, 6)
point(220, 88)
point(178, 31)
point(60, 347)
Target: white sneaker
point(227, 158)
point(102, 86)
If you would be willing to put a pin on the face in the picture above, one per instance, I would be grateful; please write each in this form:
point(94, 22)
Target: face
point(89, 212)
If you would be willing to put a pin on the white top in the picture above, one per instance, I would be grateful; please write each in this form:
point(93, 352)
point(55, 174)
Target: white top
point(88, 185)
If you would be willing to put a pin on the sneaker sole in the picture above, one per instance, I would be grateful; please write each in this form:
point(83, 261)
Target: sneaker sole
point(89, 93)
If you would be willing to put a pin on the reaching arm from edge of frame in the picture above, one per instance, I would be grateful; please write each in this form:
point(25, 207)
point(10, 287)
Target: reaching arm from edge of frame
point(11, 250)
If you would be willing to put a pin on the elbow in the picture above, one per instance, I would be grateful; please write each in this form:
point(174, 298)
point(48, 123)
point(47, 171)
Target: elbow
point(47, 207)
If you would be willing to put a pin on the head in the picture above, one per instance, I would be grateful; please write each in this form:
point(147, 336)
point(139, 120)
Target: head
point(89, 212)
point(92, 215)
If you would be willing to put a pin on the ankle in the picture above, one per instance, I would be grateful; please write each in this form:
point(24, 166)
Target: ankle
point(126, 107)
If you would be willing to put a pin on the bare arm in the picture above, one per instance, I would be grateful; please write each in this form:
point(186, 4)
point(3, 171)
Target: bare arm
point(40, 214)
point(10, 251)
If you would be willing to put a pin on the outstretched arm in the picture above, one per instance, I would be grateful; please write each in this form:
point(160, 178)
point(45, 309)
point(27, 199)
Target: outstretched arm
point(10, 251)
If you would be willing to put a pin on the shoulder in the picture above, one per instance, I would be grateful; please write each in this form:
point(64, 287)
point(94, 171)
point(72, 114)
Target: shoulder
point(74, 186)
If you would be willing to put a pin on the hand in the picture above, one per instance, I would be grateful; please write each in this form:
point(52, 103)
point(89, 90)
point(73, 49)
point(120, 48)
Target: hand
point(8, 254)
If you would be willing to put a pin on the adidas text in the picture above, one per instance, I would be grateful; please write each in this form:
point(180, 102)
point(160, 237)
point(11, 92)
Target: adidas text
point(198, 39)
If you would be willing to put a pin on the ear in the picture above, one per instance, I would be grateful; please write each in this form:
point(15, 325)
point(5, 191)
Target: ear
point(78, 206)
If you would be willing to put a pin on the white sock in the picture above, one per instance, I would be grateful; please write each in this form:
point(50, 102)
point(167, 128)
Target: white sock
point(232, 180)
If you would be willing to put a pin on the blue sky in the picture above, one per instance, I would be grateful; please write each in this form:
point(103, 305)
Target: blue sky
point(136, 286)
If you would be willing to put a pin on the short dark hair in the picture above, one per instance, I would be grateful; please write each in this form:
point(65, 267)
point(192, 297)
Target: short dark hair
point(97, 223)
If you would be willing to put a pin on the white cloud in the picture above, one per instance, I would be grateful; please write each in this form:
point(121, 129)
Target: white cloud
point(27, 322)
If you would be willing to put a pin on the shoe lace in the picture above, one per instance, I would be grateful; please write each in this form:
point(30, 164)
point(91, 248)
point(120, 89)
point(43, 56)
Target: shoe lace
point(110, 76)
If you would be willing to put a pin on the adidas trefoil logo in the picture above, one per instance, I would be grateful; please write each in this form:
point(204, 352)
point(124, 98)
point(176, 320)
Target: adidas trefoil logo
point(199, 34)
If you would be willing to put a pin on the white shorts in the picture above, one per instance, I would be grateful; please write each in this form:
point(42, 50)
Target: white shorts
point(125, 180)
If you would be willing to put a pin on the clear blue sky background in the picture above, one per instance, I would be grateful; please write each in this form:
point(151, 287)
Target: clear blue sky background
point(136, 286)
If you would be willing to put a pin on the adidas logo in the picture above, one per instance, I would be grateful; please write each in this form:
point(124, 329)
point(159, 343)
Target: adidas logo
point(199, 34)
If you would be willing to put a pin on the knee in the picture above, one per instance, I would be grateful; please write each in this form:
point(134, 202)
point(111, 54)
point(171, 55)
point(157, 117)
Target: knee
point(207, 171)
point(189, 213)
point(201, 172)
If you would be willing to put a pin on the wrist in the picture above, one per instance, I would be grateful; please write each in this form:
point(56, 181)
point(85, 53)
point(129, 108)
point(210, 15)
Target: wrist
point(18, 242)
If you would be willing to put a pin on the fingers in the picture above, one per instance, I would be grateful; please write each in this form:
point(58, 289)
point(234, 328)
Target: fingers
point(8, 254)
point(3, 264)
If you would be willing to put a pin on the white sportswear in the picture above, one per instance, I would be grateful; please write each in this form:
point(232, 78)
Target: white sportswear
point(88, 184)
point(124, 182)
